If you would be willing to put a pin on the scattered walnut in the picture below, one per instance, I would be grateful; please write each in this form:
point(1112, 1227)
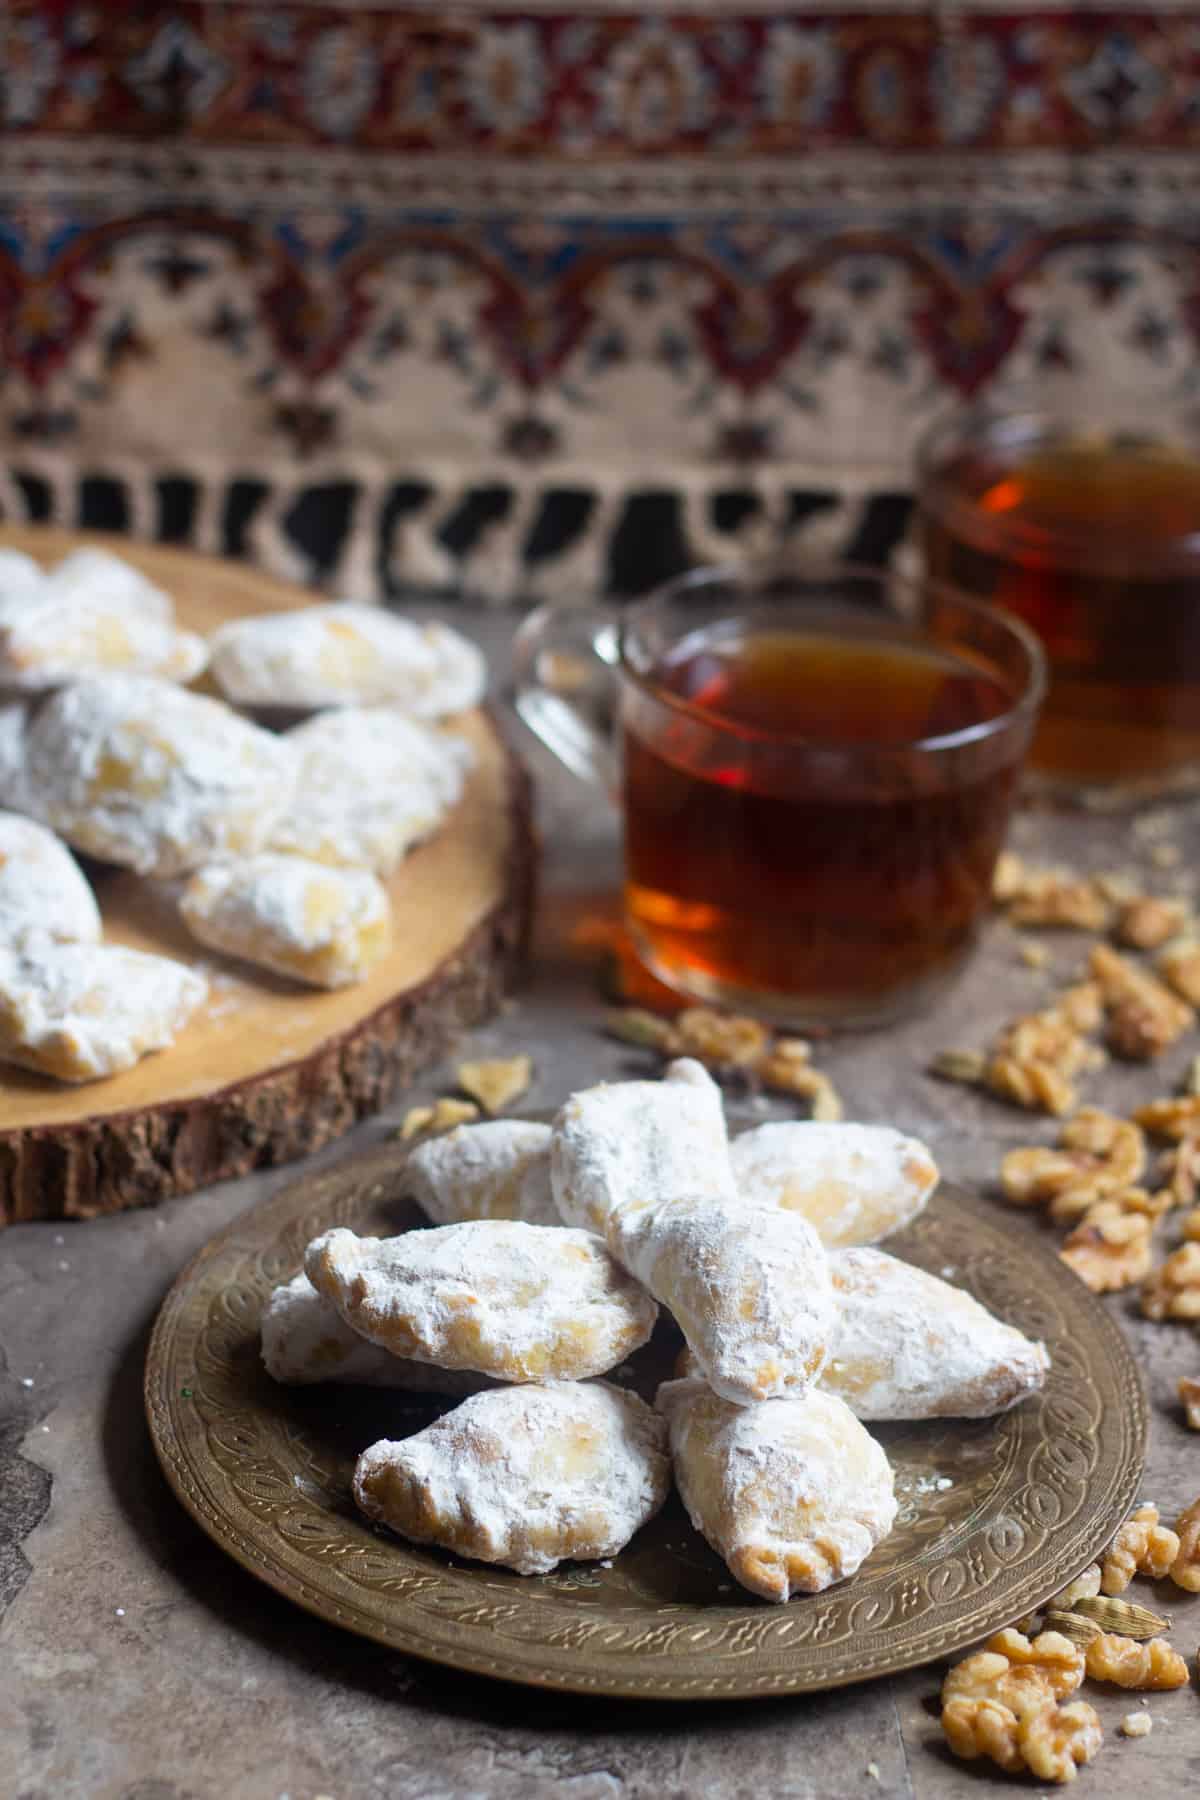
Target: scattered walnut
point(1179, 964)
point(440, 1117)
point(1172, 1118)
point(1008, 878)
point(1033, 955)
point(720, 1039)
point(1046, 1037)
point(1029, 1177)
point(1060, 901)
point(1053, 1742)
point(1185, 1570)
point(1109, 1249)
point(495, 1084)
point(1136, 1725)
point(1002, 1703)
point(1190, 1225)
point(1144, 1016)
point(1034, 1085)
point(1082, 1006)
point(1017, 1671)
point(1189, 1399)
point(1076, 1205)
point(984, 1728)
point(790, 1075)
point(1179, 1170)
point(1173, 1291)
point(1141, 1547)
point(1147, 923)
point(1084, 1587)
point(1129, 1664)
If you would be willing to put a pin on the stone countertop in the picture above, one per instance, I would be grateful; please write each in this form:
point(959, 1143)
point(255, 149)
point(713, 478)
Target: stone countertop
point(137, 1662)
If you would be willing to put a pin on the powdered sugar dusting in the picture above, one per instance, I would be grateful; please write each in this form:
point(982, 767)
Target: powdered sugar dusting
point(147, 775)
point(748, 1286)
point(855, 1183)
point(305, 1341)
point(497, 1170)
point(521, 1302)
point(909, 1346)
point(794, 1494)
point(43, 893)
point(525, 1477)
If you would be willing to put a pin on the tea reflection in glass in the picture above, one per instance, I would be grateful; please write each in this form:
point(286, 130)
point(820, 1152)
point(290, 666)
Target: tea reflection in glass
point(1092, 538)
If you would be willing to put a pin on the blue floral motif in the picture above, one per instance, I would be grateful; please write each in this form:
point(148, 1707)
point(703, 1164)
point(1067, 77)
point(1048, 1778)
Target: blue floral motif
point(504, 77)
point(801, 67)
point(177, 67)
point(341, 78)
point(654, 87)
point(967, 82)
point(29, 61)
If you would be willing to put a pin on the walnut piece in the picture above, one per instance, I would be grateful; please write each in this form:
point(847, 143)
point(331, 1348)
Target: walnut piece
point(1179, 965)
point(1034, 1085)
point(439, 1117)
point(1052, 899)
point(1185, 1570)
point(495, 1084)
point(1144, 1016)
point(1050, 1741)
point(1173, 1291)
point(1017, 1671)
point(1008, 877)
point(1147, 923)
point(1084, 1587)
point(1141, 1547)
point(1003, 1703)
point(1176, 1118)
point(1109, 1249)
point(1190, 1225)
point(1179, 1170)
point(1136, 1725)
point(1189, 1399)
point(720, 1040)
point(1099, 1154)
point(1153, 1666)
point(1082, 1006)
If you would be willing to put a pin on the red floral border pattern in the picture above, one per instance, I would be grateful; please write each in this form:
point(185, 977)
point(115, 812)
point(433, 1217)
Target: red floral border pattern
point(592, 86)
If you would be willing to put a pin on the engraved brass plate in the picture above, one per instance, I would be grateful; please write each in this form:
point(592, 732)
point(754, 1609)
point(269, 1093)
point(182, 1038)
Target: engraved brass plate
point(995, 1516)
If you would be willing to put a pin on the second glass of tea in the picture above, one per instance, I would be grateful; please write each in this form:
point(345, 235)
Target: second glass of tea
point(1090, 533)
point(815, 774)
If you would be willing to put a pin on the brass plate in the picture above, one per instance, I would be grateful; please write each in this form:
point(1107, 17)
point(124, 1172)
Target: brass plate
point(996, 1515)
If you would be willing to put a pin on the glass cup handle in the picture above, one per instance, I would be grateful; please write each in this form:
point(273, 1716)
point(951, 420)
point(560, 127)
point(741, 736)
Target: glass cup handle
point(565, 675)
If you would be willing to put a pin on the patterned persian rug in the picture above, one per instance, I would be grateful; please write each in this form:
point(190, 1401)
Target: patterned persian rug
point(530, 304)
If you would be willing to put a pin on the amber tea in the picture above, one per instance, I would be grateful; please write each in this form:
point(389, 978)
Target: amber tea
point(792, 832)
point(1093, 541)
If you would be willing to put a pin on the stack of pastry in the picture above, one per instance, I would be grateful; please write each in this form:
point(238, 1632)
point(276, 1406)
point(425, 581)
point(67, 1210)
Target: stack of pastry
point(276, 843)
point(797, 1334)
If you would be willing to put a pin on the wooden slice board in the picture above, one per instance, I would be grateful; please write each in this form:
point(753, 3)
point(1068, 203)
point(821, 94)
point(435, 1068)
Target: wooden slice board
point(269, 1071)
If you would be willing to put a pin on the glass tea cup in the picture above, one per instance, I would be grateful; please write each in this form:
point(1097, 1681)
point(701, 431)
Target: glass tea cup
point(1089, 531)
point(815, 773)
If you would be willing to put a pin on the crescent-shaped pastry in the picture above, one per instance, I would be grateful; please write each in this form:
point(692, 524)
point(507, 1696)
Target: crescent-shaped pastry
point(749, 1287)
point(499, 1169)
point(794, 1494)
point(855, 1183)
point(520, 1302)
point(909, 1346)
point(305, 1341)
point(524, 1476)
point(629, 1144)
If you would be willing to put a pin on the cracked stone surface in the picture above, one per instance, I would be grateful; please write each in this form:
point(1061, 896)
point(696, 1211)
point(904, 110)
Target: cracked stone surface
point(137, 1662)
